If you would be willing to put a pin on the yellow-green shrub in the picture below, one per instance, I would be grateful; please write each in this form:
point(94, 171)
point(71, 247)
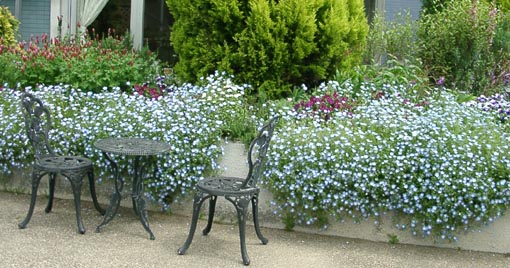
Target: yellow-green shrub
point(8, 27)
point(272, 45)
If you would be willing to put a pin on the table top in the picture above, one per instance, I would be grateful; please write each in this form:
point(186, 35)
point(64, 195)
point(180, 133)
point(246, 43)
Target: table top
point(131, 146)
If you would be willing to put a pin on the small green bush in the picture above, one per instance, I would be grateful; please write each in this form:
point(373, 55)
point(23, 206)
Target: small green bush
point(392, 39)
point(271, 45)
point(501, 51)
point(8, 27)
point(433, 6)
point(456, 44)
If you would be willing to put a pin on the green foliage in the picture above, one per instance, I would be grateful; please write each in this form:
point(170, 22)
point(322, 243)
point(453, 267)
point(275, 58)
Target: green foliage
point(433, 6)
point(503, 5)
point(393, 239)
point(390, 58)
point(271, 45)
point(89, 64)
point(456, 44)
point(394, 72)
point(289, 221)
point(392, 39)
point(8, 27)
point(501, 50)
point(202, 34)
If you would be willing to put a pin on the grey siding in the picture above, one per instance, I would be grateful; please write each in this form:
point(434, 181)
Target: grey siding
point(393, 7)
point(34, 18)
point(9, 4)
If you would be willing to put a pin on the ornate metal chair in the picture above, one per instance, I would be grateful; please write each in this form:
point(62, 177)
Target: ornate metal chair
point(74, 168)
point(239, 191)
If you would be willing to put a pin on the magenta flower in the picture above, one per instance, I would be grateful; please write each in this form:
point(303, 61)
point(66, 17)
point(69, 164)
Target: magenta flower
point(325, 105)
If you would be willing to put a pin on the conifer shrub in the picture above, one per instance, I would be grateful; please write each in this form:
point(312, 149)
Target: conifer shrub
point(8, 27)
point(271, 45)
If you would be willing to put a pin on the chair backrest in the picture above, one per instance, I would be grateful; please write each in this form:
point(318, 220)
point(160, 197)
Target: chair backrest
point(257, 153)
point(37, 124)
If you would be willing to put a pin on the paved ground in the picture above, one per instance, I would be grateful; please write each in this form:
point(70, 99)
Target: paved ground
point(51, 240)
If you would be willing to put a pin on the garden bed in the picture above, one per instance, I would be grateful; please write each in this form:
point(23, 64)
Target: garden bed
point(434, 167)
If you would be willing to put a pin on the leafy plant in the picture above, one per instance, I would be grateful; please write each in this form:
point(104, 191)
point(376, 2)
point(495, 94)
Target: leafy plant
point(393, 239)
point(84, 62)
point(393, 73)
point(433, 6)
point(456, 44)
point(393, 40)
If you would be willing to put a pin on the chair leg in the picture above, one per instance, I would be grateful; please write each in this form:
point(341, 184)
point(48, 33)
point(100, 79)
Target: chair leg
point(92, 187)
point(241, 204)
point(52, 191)
point(255, 208)
point(198, 199)
point(76, 182)
point(36, 178)
point(242, 207)
point(212, 207)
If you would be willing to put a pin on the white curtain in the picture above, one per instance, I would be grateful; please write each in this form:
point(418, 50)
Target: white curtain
point(88, 10)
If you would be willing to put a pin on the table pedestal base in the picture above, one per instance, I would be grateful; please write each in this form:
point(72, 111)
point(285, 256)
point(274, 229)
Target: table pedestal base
point(139, 206)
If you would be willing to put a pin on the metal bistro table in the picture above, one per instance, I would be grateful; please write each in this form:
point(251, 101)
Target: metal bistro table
point(137, 147)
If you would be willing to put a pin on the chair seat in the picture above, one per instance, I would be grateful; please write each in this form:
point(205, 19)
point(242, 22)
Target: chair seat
point(58, 163)
point(222, 186)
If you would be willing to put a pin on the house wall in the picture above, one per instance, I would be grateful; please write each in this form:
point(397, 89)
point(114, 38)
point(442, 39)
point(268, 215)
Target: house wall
point(35, 18)
point(10, 4)
point(393, 7)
